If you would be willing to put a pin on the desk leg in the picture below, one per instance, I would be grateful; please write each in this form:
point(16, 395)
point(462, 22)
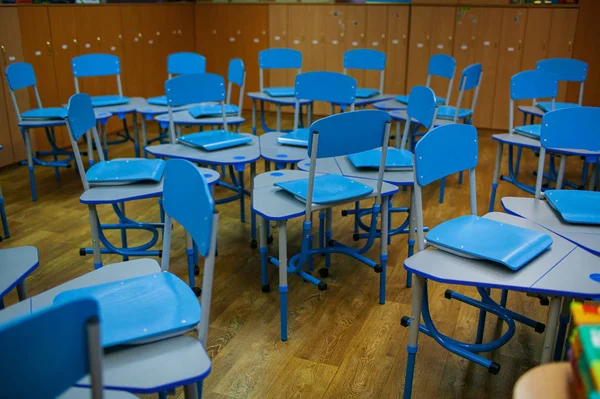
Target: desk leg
point(398, 135)
point(191, 391)
point(496, 176)
point(94, 224)
point(278, 118)
point(30, 163)
point(383, 241)
point(3, 216)
point(565, 318)
point(145, 136)
point(104, 140)
point(90, 148)
point(283, 286)
point(252, 214)
point(413, 334)
point(242, 199)
point(263, 253)
point(594, 178)
point(136, 136)
point(412, 223)
point(309, 115)
point(22, 291)
point(254, 117)
point(551, 326)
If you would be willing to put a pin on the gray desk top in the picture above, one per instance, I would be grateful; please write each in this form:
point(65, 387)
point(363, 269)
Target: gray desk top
point(372, 100)
point(58, 122)
point(271, 150)
point(126, 192)
point(401, 115)
point(15, 265)
point(530, 109)
point(274, 203)
point(79, 393)
point(184, 118)
point(564, 269)
point(275, 100)
point(150, 109)
point(390, 105)
point(343, 166)
point(128, 108)
point(229, 156)
point(538, 211)
point(517, 139)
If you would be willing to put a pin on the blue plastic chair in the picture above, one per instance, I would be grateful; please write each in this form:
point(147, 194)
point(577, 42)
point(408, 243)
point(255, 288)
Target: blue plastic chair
point(527, 85)
point(470, 80)
point(443, 66)
point(278, 58)
point(70, 332)
point(183, 63)
point(97, 65)
point(369, 60)
point(566, 70)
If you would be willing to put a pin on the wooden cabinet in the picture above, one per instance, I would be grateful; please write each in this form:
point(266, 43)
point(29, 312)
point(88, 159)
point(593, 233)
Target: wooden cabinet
point(514, 22)
point(377, 23)
point(355, 36)
point(397, 49)
point(562, 37)
point(6, 154)
point(537, 34)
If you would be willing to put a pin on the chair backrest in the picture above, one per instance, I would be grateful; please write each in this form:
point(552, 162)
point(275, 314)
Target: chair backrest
point(324, 86)
point(44, 353)
point(567, 70)
point(441, 152)
point(278, 58)
point(185, 63)
point(95, 65)
point(444, 66)
point(191, 89)
point(531, 85)
point(470, 79)
point(344, 134)
point(570, 130)
point(366, 59)
point(80, 119)
point(236, 73)
point(21, 75)
point(422, 107)
point(188, 200)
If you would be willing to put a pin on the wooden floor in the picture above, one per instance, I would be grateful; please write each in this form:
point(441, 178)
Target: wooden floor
point(342, 342)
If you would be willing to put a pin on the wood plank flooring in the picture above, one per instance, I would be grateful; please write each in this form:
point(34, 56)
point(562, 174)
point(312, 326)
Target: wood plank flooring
point(342, 342)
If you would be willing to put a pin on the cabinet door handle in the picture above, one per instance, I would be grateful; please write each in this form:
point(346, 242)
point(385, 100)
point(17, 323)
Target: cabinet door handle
point(49, 47)
point(570, 46)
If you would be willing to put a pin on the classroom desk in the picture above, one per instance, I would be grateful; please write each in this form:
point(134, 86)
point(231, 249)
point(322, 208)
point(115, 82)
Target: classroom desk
point(390, 105)
point(279, 102)
point(136, 368)
point(272, 151)
point(15, 265)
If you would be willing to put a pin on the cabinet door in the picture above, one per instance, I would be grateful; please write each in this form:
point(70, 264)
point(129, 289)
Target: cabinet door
point(65, 46)
point(356, 27)
point(420, 46)
point(562, 36)
point(6, 155)
point(377, 21)
point(465, 45)
point(536, 37)
point(441, 42)
point(12, 51)
point(397, 49)
point(278, 37)
point(514, 22)
point(206, 33)
point(133, 75)
point(334, 18)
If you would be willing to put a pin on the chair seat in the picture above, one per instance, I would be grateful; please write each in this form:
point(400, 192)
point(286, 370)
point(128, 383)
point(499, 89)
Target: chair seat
point(280, 91)
point(214, 140)
point(396, 159)
point(532, 131)
point(104, 101)
point(363, 92)
point(141, 309)
point(201, 111)
point(546, 106)
point(404, 99)
point(575, 206)
point(15, 265)
point(126, 171)
point(80, 393)
point(45, 113)
point(160, 100)
point(327, 189)
point(446, 111)
point(481, 238)
point(297, 138)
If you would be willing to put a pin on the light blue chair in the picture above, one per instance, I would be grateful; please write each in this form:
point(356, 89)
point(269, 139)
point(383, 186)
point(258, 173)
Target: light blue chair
point(183, 63)
point(368, 60)
point(69, 332)
point(278, 58)
point(566, 70)
point(527, 85)
point(470, 79)
point(440, 65)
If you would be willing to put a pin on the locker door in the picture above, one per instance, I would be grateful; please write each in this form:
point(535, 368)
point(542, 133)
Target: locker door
point(133, 76)
point(442, 40)
point(333, 47)
point(377, 22)
point(278, 38)
point(562, 36)
point(12, 51)
point(156, 46)
point(6, 154)
point(206, 33)
point(537, 35)
point(297, 32)
point(356, 26)
point(397, 49)
point(65, 46)
point(514, 22)
point(420, 46)
point(465, 39)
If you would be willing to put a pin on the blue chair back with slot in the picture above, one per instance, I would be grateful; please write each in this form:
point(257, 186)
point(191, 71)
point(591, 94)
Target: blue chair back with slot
point(187, 199)
point(421, 105)
point(80, 115)
point(20, 75)
point(280, 58)
point(571, 128)
point(445, 150)
point(194, 88)
point(349, 133)
point(533, 84)
point(470, 77)
point(235, 72)
point(46, 352)
point(326, 86)
point(364, 58)
point(566, 69)
point(186, 63)
point(442, 65)
point(96, 65)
